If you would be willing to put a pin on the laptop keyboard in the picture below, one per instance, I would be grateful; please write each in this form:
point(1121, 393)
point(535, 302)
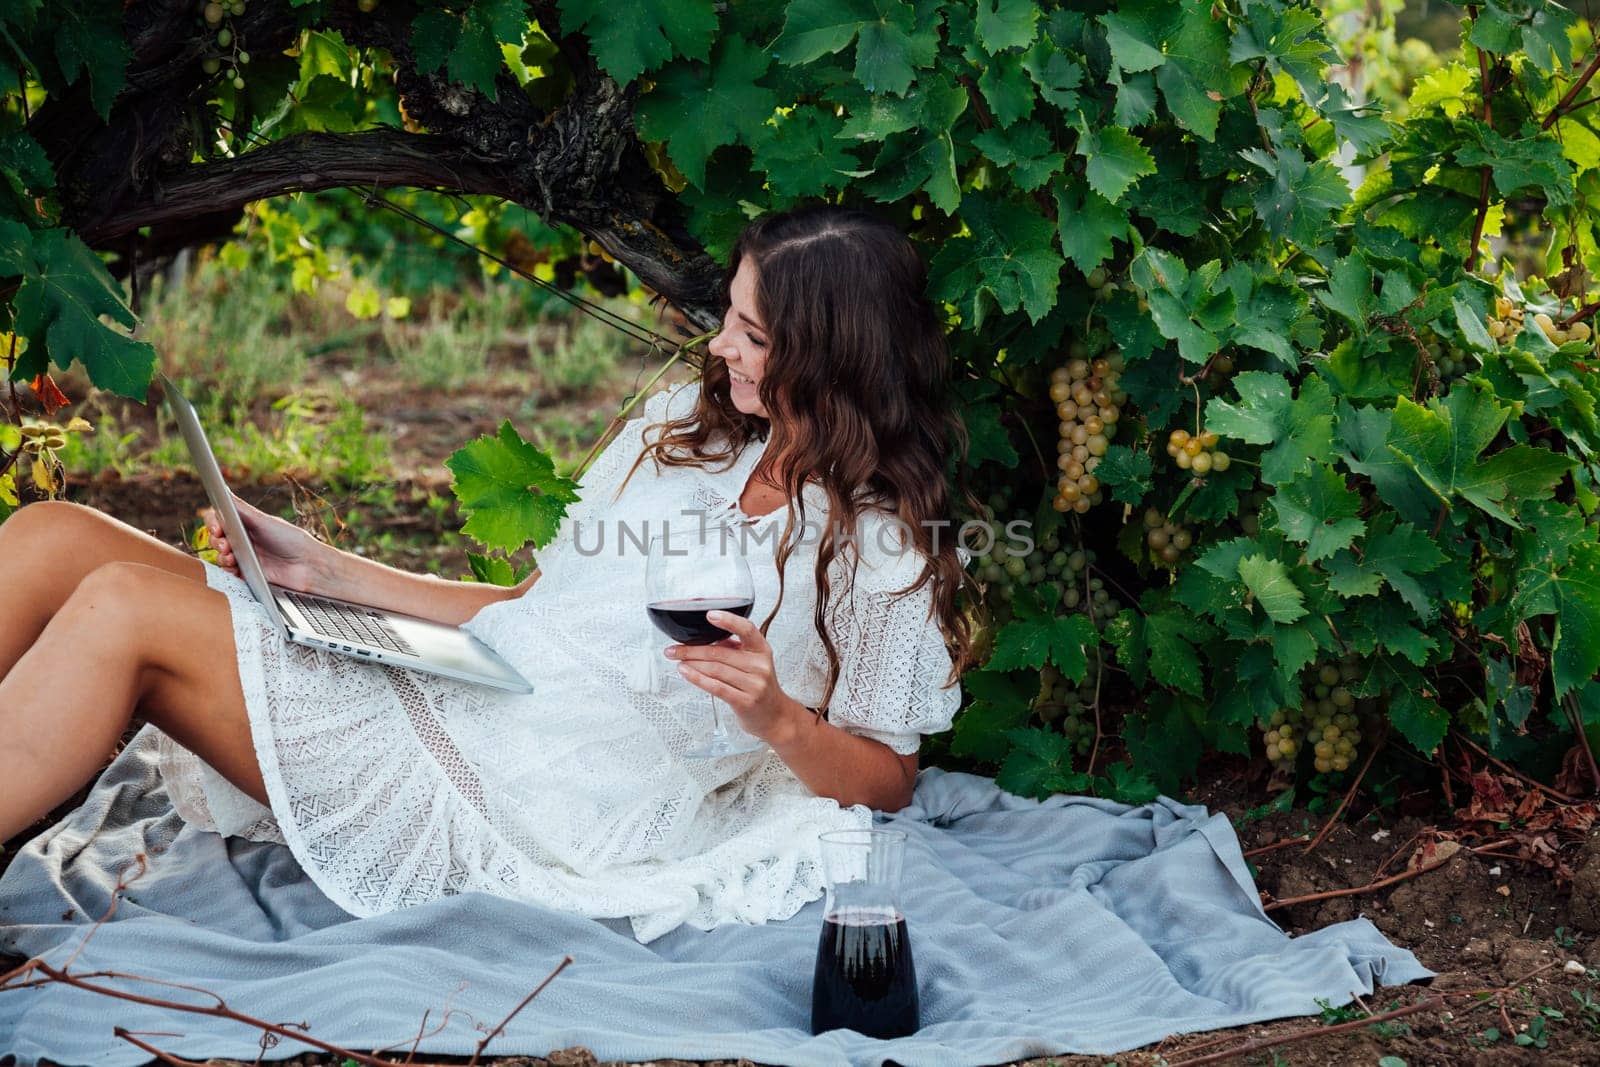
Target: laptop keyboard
point(348, 623)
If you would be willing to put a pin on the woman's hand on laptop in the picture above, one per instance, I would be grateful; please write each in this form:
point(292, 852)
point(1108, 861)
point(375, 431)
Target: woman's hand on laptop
point(289, 555)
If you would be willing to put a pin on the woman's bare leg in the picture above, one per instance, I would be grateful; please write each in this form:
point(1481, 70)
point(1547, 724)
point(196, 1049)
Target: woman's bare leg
point(130, 639)
point(47, 548)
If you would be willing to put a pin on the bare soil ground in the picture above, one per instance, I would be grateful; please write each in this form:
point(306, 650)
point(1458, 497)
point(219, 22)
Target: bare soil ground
point(1497, 921)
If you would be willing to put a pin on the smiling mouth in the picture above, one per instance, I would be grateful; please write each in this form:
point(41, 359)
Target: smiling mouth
point(736, 376)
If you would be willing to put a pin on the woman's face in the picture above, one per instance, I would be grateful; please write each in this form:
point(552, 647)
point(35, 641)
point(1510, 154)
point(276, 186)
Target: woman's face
point(742, 342)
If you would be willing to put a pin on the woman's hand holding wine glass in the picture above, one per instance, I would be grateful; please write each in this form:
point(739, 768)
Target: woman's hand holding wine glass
point(740, 673)
point(699, 592)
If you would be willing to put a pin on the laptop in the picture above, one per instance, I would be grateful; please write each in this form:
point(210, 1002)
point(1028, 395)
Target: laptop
point(376, 635)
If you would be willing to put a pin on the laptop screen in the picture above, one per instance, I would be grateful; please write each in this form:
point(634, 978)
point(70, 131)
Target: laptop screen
point(205, 462)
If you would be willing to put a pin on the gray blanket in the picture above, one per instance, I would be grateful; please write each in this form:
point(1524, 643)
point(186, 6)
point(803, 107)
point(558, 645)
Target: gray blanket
point(1076, 925)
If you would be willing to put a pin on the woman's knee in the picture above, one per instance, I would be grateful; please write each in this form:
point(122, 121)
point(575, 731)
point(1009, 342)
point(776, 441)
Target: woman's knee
point(120, 593)
point(41, 525)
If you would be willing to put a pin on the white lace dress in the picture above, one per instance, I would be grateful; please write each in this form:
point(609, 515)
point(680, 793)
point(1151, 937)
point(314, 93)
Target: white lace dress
point(393, 788)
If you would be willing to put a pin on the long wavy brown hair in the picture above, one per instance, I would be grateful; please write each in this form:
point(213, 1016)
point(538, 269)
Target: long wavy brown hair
point(856, 378)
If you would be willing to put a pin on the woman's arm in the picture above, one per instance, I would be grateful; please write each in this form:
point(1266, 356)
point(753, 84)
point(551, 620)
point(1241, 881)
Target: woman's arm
point(831, 762)
point(292, 558)
point(364, 581)
point(837, 763)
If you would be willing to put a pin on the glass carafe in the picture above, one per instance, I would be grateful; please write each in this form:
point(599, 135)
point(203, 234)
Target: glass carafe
point(865, 979)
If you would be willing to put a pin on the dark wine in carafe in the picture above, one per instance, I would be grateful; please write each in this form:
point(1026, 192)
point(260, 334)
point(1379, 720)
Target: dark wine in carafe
point(865, 979)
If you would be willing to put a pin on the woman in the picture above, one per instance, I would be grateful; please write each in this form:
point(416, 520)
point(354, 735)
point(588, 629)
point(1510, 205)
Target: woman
point(823, 409)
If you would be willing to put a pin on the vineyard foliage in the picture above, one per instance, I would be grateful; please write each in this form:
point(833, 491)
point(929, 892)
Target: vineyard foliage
point(1334, 461)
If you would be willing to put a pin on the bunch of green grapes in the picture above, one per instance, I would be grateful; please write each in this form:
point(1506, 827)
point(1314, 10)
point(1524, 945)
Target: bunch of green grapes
point(1250, 506)
point(1089, 405)
point(213, 13)
point(1451, 365)
point(1071, 705)
point(1283, 734)
point(1090, 598)
point(1577, 331)
point(1002, 568)
point(1328, 720)
point(1197, 452)
point(1168, 541)
point(1506, 322)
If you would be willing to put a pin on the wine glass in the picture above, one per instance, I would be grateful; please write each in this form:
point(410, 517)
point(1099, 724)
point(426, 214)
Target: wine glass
point(685, 577)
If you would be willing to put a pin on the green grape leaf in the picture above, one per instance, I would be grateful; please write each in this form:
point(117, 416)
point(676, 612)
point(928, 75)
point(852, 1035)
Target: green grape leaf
point(1058, 639)
point(25, 169)
point(1164, 741)
point(1294, 648)
point(1197, 75)
point(1419, 719)
point(1317, 510)
point(1151, 364)
point(1269, 582)
point(1440, 444)
point(1010, 258)
point(1025, 153)
point(987, 441)
point(801, 152)
point(1529, 163)
point(1008, 89)
point(476, 59)
point(1362, 125)
point(924, 159)
point(1399, 637)
point(1299, 429)
point(1088, 223)
point(1057, 76)
point(1449, 88)
point(1162, 644)
point(1572, 595)
point(1115, 158)
point(434, 34)
point(509, 491)
point(1363, 437)
point(1004, 24)
point(1127, 473)
point(1349, 293)
point(1289, 40)
point(64, 291)
point(1194, 71)
point(1274, 314)
point(89, 41)
point(1394, 553)
point(982, 729)
point(875, 116)
point(1131, 49)
point(1296, 203)
point(495, 570)
point(1412, 709)
point(641, 35)
point(467, 46)
point(890, 44)
point(1579, 144)
point(697, 107)
point(1547, 36)
point(1040, 764)
point(1136, 101)
point(1128, 786)
point(1190, 308)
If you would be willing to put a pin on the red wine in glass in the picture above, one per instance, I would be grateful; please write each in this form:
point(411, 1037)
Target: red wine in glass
point(685, 621)
point(685, 578)
point(865, 979)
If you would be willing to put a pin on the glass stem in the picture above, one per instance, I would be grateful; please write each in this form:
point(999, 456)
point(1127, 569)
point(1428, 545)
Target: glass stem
point(719, 729)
